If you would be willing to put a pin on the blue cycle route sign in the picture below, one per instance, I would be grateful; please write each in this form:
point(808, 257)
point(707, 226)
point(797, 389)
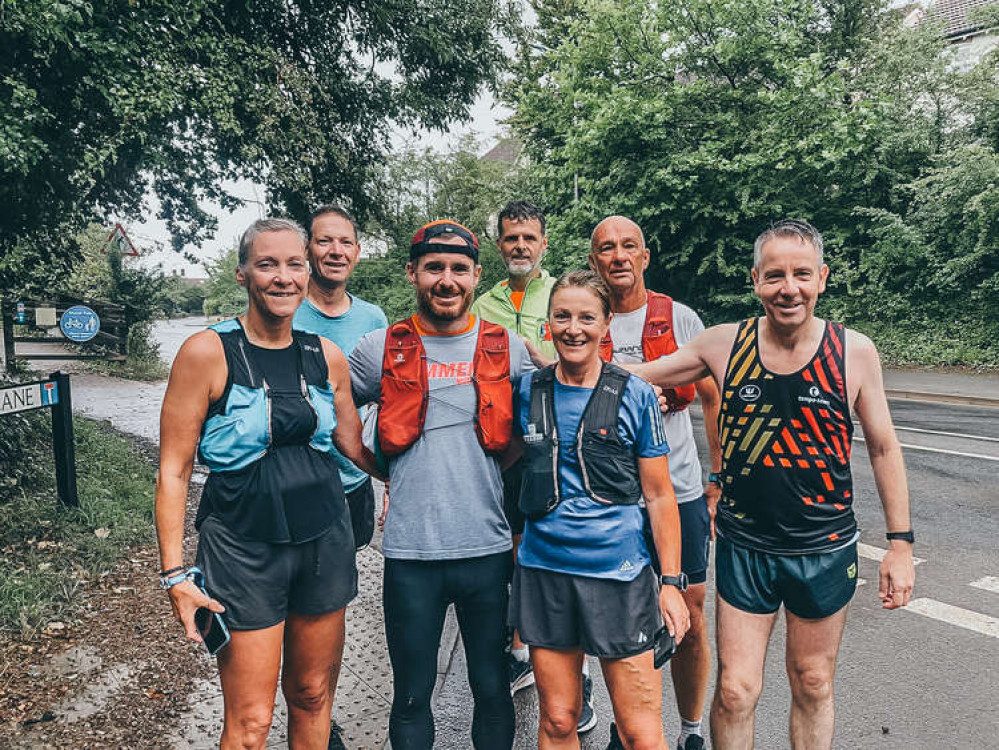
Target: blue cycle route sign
point(79, 323)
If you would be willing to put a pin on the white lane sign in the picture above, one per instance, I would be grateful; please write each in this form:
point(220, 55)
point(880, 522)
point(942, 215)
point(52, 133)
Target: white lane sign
point(27, 396)
point(56, 394)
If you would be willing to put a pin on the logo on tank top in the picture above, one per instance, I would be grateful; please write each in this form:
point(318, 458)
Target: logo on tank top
point(750, 392)
point(814, 397)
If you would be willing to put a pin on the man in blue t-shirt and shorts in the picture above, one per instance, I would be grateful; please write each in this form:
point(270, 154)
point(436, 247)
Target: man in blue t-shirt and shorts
point(619, 255)
point(330, 311)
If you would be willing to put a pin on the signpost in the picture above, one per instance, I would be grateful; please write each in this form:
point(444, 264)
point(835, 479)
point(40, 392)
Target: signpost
point(53, 393)
point(79, 323)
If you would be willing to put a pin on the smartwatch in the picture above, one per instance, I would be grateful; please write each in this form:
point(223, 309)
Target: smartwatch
point(715, 477)
point(680, 581)
point(905, 536)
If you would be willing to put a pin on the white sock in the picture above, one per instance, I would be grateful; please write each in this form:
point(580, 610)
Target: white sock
point(687, 728)
point(521, 654)
point(586, 667)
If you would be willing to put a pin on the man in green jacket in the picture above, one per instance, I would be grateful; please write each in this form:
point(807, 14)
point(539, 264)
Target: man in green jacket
point(520, 302)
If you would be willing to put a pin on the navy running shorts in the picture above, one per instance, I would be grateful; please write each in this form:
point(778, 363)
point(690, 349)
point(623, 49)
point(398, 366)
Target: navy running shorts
point(259, 583)
point(605, 618)
point(811, 586)
point(695, 535)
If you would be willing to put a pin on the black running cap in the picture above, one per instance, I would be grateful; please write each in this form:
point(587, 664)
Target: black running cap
point(423, 241)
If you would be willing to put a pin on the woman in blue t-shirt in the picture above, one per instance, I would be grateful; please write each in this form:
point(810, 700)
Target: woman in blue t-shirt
point(594, 446)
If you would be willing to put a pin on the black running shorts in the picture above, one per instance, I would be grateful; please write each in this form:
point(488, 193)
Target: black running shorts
point(259, 583)
point(811, 586)
point(605, 618)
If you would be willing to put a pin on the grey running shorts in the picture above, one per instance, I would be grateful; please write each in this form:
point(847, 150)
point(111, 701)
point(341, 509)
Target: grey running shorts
point(811, 586)
point(605, 618)
point(259, 583)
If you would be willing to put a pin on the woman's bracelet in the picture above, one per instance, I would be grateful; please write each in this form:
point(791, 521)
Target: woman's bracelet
point(172, 577)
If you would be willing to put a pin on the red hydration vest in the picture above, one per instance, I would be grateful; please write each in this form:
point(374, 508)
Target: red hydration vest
point(406, 390)
point(657, 341)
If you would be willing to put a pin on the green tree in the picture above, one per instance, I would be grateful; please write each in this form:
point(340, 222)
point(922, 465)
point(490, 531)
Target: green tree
point(223, 295)
point(705, 120)
point(102, 101)
point(421, 186)
point(181, 297)
point(102, 273)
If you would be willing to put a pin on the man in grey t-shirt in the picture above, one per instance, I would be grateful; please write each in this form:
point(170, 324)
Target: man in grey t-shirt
point(618, 253)
point(446, 537)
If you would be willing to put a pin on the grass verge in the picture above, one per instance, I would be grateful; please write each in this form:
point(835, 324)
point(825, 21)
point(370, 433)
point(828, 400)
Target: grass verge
point(48, 552)
point(146, 369)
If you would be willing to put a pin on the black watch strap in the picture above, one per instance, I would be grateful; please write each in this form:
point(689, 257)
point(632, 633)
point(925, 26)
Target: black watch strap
point(905, 536)
point(680, 581)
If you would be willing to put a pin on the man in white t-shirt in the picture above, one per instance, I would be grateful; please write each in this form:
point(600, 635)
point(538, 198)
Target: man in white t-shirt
point(646, 326)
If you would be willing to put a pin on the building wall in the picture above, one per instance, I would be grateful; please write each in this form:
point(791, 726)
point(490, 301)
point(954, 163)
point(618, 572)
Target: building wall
point(972, 49)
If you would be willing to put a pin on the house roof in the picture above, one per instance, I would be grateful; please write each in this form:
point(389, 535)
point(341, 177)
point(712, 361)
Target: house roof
point(954, 15)
point(508, 150)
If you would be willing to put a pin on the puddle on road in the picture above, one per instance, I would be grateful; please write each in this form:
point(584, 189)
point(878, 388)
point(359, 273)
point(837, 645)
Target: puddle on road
point(77, 661)
point(91, 701)
point(95, 696)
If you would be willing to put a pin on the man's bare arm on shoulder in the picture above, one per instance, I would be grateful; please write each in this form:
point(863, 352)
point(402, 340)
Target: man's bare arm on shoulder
point(702, 356)
point(871, 407)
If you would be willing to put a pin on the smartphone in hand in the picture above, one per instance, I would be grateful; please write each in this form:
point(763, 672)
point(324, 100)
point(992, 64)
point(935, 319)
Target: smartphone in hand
point(212, 629)
point(663, 647)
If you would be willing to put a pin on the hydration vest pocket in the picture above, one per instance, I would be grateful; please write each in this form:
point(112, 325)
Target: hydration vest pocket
point(401, 413)
point(494, 420)
point(610, 470)
point(538, 493)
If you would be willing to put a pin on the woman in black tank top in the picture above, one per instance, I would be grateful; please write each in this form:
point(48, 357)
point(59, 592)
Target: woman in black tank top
point(275, 554)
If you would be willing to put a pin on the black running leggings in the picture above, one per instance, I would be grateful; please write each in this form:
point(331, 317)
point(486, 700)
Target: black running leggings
point(416, 596)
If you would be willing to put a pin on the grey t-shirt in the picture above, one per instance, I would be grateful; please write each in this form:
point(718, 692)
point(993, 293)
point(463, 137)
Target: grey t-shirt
point(684, 465)
point(447, 493)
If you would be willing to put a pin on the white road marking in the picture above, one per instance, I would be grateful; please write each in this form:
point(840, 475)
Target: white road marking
point(945, 434)
point(963, 618)
point(989, 583)
point(939, 450)
point(877, 554)
point(861, 581)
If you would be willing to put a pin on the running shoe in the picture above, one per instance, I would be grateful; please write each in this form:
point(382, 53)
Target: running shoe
point(615, 741)
point(521, 674)
point(694, 742)
point(587, 717)
point(336, 741)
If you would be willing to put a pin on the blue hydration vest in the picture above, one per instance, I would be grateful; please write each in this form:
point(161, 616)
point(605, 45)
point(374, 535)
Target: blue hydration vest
point(238, 430)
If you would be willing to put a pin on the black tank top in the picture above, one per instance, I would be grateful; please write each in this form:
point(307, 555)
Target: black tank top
point(786, 449)
point(292, 494)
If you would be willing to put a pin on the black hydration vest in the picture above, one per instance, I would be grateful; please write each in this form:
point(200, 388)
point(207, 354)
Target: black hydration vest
point(609, 467)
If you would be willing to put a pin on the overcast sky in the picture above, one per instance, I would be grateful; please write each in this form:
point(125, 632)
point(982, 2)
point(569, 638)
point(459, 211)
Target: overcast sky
point(485, 123)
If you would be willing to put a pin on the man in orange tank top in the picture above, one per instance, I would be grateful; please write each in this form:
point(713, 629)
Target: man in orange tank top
point(790, 384)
